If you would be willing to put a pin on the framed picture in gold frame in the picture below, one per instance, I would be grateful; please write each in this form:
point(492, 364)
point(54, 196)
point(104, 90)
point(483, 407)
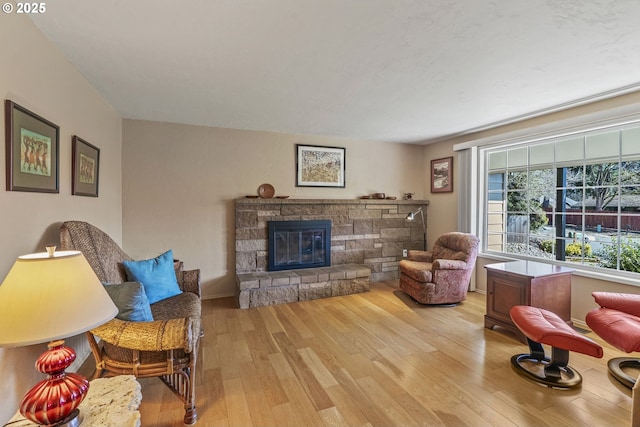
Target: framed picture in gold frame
point(442, 175)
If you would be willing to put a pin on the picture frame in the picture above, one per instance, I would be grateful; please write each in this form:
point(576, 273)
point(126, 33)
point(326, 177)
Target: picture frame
point(85, 164)
point(320, 166)
point(32, 151)
point(442, 175)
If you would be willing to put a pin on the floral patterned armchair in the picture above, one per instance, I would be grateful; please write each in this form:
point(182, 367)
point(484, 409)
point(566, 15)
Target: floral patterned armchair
point(442, 275)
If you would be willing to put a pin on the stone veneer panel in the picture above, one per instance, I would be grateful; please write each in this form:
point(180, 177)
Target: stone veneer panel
point(369, 232)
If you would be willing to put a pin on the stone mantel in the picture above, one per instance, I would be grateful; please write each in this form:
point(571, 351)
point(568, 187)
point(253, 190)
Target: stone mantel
point(370, 232)
point(276, 201)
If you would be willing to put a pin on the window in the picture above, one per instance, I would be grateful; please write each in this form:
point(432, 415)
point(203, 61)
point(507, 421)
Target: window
point(574, 199)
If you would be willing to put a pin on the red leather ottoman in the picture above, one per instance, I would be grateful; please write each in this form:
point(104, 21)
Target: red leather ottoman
point(541, 326)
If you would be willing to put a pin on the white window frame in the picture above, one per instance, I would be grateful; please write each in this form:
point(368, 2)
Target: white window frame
point(474, 216)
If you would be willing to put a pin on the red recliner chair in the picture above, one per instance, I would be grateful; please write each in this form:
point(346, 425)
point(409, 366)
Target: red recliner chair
point(442, 275)
point(617, 321)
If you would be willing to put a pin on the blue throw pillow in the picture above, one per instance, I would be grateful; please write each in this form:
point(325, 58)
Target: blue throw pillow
point(156, 275)
point(131, 301)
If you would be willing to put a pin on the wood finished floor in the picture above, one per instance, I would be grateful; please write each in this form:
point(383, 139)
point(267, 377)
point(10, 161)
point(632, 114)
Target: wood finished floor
point(375, 359)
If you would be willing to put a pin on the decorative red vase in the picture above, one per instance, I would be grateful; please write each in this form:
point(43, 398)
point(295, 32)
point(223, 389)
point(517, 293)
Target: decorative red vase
point(57, 397)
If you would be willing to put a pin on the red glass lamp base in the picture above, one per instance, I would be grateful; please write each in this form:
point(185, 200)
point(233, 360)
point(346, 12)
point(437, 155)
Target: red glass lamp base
point(53, 400)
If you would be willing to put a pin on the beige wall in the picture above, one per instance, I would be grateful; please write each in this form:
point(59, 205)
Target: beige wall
point(180, 182)
point(36, 76)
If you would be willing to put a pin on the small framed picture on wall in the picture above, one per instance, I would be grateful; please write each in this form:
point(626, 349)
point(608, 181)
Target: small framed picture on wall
point(85, 161)
point(442, 175)
point(31, 150)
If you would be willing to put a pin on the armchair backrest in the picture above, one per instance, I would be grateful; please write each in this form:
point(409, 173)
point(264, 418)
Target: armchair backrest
point(103, 254)
point(457, 246)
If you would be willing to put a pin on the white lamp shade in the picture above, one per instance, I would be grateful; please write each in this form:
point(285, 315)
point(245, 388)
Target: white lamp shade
point(45, 298)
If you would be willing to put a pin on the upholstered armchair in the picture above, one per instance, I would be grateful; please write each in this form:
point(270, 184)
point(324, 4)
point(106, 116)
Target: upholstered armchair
point(165, 347)
point(617, 321)
point(442, 275)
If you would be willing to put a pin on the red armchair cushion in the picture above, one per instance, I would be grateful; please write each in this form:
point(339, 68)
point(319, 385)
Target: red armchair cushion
point(620, 329)
point(420, 271)
point(628, 303)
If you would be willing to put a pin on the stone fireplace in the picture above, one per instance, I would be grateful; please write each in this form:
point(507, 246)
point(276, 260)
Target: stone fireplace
point(298, 244)
point(366, 242)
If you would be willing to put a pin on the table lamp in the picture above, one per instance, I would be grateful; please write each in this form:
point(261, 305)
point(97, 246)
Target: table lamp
point(411, 217)
point(45, 297)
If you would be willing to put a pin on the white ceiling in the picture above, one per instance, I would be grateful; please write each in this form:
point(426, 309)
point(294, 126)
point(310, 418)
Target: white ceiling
point(385, 70)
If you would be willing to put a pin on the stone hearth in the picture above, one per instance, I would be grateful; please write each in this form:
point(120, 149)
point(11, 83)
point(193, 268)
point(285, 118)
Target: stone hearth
point(260, 289)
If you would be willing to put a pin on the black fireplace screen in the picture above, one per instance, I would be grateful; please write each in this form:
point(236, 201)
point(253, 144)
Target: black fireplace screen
point(299, 244)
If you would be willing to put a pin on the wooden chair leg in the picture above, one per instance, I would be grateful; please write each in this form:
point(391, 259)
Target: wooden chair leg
point(97, 355)
point(635, 404)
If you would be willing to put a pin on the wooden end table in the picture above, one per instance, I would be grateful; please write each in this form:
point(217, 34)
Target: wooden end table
point(526, 283)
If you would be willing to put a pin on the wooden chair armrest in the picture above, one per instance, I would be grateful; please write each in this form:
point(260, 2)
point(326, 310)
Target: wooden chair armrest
point(159, 335)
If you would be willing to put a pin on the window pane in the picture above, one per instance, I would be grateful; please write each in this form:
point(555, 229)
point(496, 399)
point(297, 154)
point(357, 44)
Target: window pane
point(541, 154)
point(516, 194)
point(498, 160)
point(517, 157)
point(630, 224)
point(574, 198)
point(630, 172)
point(495, 186)
point(608, 253)
point(622, 253)
point(603, 145)
point(569, 149)
point(631, 141)
point(575, 176)
point(542, 185)
point(495, 226)
point(601, 174)
point(573, 225)
point(630, 202)
point(495, 242)
point(602, 198)
point(600, 224)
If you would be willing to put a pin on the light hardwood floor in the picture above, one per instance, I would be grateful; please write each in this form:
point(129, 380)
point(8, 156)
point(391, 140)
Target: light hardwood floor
point(375, 359)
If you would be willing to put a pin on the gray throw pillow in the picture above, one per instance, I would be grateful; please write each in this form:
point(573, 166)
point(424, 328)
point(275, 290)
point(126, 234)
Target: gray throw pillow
point(131, 301)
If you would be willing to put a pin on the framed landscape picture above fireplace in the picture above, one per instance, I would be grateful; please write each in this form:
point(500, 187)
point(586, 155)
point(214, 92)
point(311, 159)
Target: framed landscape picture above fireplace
point(318, 166)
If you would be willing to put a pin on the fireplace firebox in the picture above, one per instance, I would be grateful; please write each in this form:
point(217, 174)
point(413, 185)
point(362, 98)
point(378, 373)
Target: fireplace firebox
point(299, 244)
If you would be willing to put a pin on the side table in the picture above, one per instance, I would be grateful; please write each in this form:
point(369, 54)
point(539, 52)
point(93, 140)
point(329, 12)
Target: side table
point(110, 402)
point(526, 283)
